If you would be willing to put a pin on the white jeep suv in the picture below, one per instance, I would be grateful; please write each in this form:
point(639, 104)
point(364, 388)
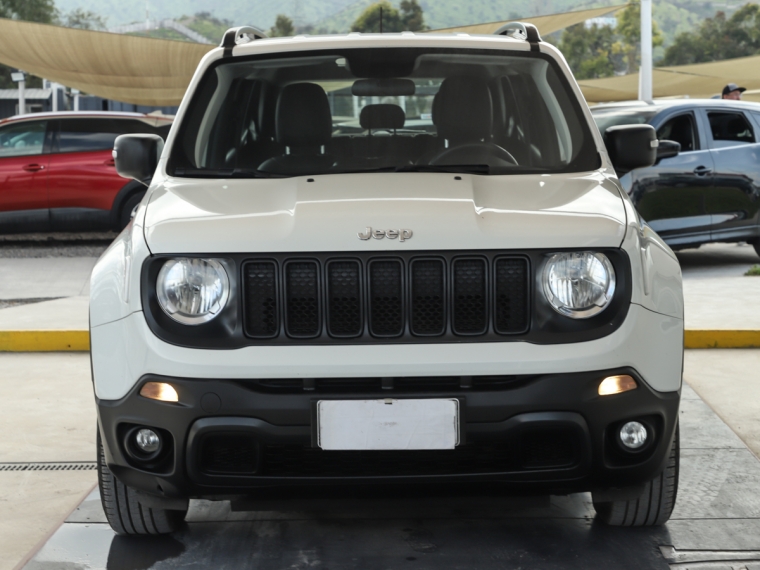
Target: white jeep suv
point(376, 259)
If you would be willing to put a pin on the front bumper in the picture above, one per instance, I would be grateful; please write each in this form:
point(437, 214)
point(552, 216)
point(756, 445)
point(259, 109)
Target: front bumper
point(544, 433)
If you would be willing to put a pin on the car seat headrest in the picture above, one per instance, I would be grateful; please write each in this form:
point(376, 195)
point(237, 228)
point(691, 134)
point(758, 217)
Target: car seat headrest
point(382, 117)
point(303, 117)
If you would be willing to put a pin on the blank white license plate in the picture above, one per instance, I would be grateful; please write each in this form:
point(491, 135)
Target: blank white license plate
point(388, 424)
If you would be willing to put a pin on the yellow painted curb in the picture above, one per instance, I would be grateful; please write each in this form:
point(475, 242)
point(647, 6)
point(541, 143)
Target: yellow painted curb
point(721, 339)
point(54, 341)
point(44, 341)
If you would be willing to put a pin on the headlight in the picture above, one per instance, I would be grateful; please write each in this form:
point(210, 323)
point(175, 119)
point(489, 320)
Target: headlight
point(192, 291)
point(579, 285)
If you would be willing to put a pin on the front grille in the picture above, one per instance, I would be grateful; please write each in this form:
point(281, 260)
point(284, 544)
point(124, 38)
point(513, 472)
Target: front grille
point(397, 298)
point(229, 454)
point(547, 449)
point(408, 384)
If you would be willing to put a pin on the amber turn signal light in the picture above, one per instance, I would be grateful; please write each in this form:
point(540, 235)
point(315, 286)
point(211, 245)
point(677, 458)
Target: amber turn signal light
point(159, 391)
point(617, 385)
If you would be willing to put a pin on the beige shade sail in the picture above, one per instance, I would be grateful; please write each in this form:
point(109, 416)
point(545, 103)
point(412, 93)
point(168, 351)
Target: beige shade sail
point(142, 71)
point(700, 80)
point(147, 71)
point(545, 24)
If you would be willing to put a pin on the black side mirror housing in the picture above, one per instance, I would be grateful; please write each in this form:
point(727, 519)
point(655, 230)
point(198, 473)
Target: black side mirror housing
point(136, 156)
point(667, 149)
point(631, 146)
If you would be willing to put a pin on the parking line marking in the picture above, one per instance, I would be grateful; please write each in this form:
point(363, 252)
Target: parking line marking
point(44, 341)
point(79, 341)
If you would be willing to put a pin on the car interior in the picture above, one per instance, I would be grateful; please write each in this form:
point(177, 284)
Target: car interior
point(322, 114)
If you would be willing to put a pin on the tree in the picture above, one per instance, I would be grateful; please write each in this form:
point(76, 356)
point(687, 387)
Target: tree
point(42, 11)
point(629, 31)
point(283, 26)
point(379, 13)
point(718, 38)
point(82, 19)
point(412, 18)
point(590, 52)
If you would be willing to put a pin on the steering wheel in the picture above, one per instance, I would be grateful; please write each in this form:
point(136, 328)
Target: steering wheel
point(474, 153)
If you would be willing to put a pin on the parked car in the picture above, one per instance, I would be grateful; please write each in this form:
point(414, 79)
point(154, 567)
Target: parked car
point(710, 190)
point(57, 172)
point(295, 305)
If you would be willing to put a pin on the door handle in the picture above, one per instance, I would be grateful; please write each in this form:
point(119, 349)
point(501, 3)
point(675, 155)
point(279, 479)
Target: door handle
point(34, 167)
point(110, 162)
point(702, 170)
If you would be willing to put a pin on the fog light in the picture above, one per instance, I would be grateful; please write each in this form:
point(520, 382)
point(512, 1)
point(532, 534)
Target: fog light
point(159, 391)
point(633, 435)
point(617, 385)
point(147, 440)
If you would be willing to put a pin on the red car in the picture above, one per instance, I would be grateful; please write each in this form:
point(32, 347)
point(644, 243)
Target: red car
point(57, 172)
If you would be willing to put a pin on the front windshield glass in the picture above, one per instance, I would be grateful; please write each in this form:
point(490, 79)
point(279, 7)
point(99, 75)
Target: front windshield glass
point(614, 116)
point(383, 110)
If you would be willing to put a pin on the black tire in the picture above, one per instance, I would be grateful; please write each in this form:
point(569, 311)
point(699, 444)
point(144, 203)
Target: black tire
point(654, 506)
point(123, 511)
point(125, 215)
point(756, 244)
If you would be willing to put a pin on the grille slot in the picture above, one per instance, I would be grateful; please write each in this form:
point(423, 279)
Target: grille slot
point(261, 320)
point(344, 298)
point(510, 295)
point(386, 298)
point(470, 314)
point(428, 306)
point(302, 298)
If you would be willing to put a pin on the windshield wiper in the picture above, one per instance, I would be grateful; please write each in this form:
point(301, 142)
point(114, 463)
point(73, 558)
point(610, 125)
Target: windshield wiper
point(455, 168)
point(226, 173)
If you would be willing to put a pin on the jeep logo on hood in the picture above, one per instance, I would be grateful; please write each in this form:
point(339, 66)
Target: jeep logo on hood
point(402, 234)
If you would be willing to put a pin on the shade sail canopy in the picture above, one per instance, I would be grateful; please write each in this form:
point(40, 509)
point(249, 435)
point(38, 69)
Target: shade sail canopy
point(143, 71)
point(545, 24)
point(699, 80)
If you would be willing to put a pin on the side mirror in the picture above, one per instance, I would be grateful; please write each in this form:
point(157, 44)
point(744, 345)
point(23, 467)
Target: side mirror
point(631, 146)
point(667, 149)
point(136, 156)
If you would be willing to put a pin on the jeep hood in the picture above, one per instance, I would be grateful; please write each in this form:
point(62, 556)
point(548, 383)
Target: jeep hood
point(326, 213)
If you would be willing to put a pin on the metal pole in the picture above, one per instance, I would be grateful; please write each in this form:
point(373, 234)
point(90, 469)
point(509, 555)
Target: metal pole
point(645, 91)
point(22, 97)
point(54, 92)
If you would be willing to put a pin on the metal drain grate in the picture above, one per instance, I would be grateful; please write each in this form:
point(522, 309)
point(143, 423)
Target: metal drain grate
point(64, 466)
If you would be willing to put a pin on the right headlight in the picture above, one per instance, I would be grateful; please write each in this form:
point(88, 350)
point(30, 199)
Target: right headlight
point(579, 284)
point(192, 291)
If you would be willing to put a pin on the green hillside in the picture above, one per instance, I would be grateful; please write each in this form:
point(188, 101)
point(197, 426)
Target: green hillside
point(672, 16)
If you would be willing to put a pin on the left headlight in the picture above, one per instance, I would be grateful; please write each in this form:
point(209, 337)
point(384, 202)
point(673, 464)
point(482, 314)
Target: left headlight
point(192, 291)
point(579, 284)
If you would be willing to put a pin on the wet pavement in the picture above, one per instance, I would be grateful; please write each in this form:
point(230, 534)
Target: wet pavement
point(715, 525)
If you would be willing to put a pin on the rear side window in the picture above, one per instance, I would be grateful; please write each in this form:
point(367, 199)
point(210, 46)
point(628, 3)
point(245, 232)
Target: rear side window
point(730, 128)
point(89, 135)
point(682, 130)
point(24, 139)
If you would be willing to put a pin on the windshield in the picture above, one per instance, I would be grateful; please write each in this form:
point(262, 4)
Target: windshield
point(383, 110)
point(606, 118)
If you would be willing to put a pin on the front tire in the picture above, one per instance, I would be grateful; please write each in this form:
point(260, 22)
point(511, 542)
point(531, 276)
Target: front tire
point(654, 506)
point(124, 512)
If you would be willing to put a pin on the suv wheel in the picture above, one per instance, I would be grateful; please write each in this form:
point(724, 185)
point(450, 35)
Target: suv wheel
point(756, 244)
point(654, 506)
point(129, 208)
point(123, 511)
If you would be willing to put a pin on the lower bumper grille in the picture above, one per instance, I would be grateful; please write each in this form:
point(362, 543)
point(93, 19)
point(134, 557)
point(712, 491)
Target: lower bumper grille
point(551, 448)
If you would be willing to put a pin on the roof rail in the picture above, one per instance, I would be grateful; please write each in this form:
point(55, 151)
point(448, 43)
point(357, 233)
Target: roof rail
point(239, 36)
point(520, 31)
